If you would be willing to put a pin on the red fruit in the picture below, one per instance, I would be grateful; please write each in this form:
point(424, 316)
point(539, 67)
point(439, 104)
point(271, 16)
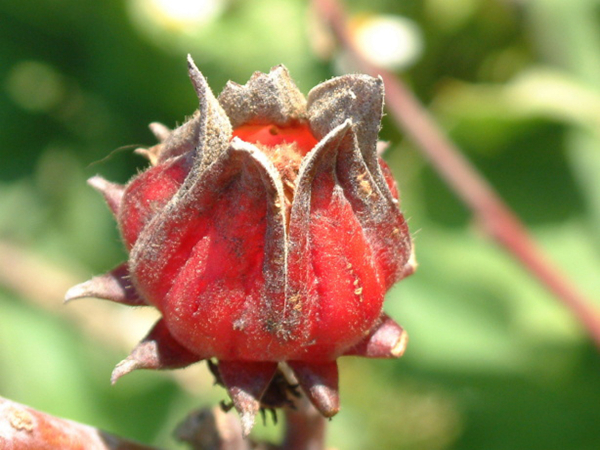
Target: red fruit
point(267, 231)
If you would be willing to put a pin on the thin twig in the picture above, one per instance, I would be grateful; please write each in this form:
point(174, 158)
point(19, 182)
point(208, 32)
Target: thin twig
point(24, 428)
point(494, 215)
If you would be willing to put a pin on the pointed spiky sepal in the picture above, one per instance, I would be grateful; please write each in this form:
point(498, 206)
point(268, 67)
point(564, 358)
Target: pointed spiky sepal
point(246, 383)
point(319, 381)
point(112, 192)
point(157, 351)
point(115, 286)
point(386, 340)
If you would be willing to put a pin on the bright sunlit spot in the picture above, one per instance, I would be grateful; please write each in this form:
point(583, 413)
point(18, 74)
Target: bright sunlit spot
point(392, 42)
point(179, 15)
point(187, 10)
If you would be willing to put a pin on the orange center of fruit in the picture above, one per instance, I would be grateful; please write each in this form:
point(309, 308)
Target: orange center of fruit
point(285, 147)
point(274, 136)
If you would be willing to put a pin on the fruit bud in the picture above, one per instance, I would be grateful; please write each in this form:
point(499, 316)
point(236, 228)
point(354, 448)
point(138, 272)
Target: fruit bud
point(267, 230)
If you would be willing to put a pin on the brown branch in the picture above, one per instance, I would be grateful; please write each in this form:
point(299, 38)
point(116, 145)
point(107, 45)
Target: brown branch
point(494, 215)
point(24, 428)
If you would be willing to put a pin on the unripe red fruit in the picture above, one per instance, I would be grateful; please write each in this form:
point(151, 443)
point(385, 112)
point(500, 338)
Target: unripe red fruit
point(267, 231)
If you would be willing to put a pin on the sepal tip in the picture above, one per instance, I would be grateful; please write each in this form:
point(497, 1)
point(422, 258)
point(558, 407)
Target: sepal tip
point(319, 381)
point(123, 368)
point(160, 131)
point(112, 192)
point(246, 383)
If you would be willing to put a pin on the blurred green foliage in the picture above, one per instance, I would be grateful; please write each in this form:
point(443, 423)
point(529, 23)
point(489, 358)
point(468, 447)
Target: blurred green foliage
point(494, 361)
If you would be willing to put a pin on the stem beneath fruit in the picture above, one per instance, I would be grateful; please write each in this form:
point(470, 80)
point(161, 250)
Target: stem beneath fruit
point(492, 213)
point(305, 427)
point(211, 429)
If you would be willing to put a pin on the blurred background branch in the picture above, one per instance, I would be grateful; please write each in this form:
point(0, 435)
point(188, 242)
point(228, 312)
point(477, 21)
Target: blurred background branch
point(490, 211)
